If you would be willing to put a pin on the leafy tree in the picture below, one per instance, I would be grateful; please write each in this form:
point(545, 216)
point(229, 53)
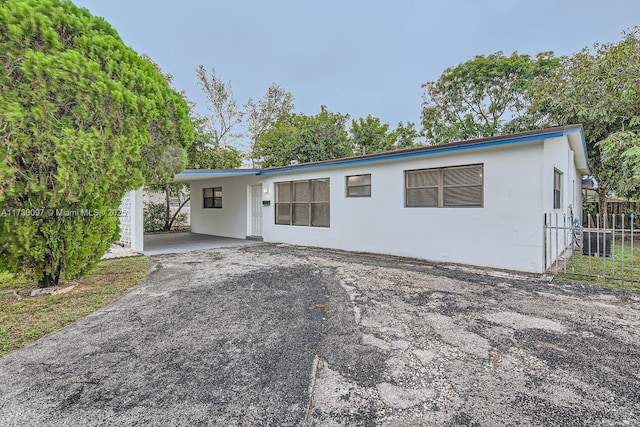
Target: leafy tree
point(225, 114)
point(619, 166)
point(599, 87)
point(370, 136)
point(276, 103)
point(485, 96)
point(407, 135)
point(203, 153)
point(297, 138)
point(84, 119)
point(206, 153)
point(212, 146)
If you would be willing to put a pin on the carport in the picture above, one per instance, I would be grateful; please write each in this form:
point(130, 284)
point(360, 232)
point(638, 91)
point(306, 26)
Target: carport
point(131, 222)
point(171, 243)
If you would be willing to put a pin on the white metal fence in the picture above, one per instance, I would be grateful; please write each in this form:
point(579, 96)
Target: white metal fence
point(601, 247)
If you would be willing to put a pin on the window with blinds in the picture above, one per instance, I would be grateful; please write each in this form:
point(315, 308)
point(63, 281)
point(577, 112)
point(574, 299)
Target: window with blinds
point(457, 186)
point(304, 203)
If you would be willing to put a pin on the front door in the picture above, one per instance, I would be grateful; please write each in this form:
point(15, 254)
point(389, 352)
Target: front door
point(256, 210)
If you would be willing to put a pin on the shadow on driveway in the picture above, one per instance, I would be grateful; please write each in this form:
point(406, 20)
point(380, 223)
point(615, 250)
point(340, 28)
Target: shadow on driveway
point(173, 243)
point(201, 341)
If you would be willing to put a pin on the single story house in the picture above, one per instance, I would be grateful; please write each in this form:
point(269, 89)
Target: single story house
point(479, 202)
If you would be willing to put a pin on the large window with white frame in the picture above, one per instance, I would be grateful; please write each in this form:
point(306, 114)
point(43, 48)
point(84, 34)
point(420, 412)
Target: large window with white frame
point(304, 203)
point(448, 187)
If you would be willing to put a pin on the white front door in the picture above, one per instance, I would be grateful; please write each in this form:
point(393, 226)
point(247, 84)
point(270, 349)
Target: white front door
point(256, 210)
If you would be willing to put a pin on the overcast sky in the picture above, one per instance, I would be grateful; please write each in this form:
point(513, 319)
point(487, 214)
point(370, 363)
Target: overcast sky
point(354, 56)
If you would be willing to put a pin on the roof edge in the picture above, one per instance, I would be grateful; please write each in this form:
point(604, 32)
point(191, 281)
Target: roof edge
point(440, 148)
point(574, 133)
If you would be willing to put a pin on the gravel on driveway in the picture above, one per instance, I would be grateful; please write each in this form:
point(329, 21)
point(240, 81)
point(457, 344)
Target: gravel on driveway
point(268, 334)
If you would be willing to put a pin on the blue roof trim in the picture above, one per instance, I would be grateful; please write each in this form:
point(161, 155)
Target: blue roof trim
point(444, 149)
point(388, 156)
point(218, 173)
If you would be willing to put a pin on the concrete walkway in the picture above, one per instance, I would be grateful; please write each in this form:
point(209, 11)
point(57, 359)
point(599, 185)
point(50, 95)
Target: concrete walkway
point(173, 243)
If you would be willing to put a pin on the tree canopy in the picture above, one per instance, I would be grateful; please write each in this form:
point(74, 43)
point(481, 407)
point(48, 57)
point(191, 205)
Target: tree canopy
point(297, 138)
point(482, 97)
point(369, 135)
point(206, 153)
point(599, 87)
point(224, 113)
point(260, 115)
point(84, 118)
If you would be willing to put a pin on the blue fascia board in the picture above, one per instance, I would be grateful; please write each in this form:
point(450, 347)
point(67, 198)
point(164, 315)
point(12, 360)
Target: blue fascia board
point(390, 156)
point(218, 173)
point(444, 149)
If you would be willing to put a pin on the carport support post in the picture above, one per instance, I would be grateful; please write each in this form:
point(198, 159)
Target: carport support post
point(137, 220)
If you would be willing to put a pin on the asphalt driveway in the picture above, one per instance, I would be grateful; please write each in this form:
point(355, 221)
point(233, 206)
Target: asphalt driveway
point(268, 334)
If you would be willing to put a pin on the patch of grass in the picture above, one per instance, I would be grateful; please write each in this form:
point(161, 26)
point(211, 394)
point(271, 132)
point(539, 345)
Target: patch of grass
point(10, 280)
point(23, 318)
point(615, 270)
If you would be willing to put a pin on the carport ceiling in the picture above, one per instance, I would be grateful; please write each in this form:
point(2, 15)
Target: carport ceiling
point(190, 175)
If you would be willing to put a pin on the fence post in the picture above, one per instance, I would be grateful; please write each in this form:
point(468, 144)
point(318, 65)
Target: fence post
point(622, 266)
point(544, 244)
point(564, 242)
point(613, 245)
point(589, 225)
point(633, 222)
point(555, 260)
point(573, 243)
point(598, 244)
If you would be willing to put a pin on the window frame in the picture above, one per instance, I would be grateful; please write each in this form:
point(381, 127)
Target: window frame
point(312, 204)
point(349, 187)
point(558, 176)
point(215, 198)
point(441, 186)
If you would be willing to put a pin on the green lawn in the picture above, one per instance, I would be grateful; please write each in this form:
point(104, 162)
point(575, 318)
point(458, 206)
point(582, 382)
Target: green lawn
point(613, 271)
point(24, 319)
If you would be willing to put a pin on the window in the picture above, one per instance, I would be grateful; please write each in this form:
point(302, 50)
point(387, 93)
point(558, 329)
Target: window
point(457, 186)
point(303, 203)
point(359, 186)
point(212, 198)
point(557, 189)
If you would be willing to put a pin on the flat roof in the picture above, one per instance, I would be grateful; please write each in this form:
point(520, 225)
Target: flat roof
point(199, 174)
point(574, 134)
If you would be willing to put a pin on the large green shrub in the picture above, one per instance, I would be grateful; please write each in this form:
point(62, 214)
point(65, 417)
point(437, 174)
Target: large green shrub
point(84, 118)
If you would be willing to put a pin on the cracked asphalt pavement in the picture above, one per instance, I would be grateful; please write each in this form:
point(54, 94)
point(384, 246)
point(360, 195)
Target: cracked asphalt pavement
point(270, 334)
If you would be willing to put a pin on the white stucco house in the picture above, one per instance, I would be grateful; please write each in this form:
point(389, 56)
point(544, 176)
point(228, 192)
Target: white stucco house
point(479, 202)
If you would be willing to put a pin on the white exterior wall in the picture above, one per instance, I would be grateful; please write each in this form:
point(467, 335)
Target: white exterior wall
point(131, 220)
point(558, 155)
point(505, 233)
point(231, 220)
